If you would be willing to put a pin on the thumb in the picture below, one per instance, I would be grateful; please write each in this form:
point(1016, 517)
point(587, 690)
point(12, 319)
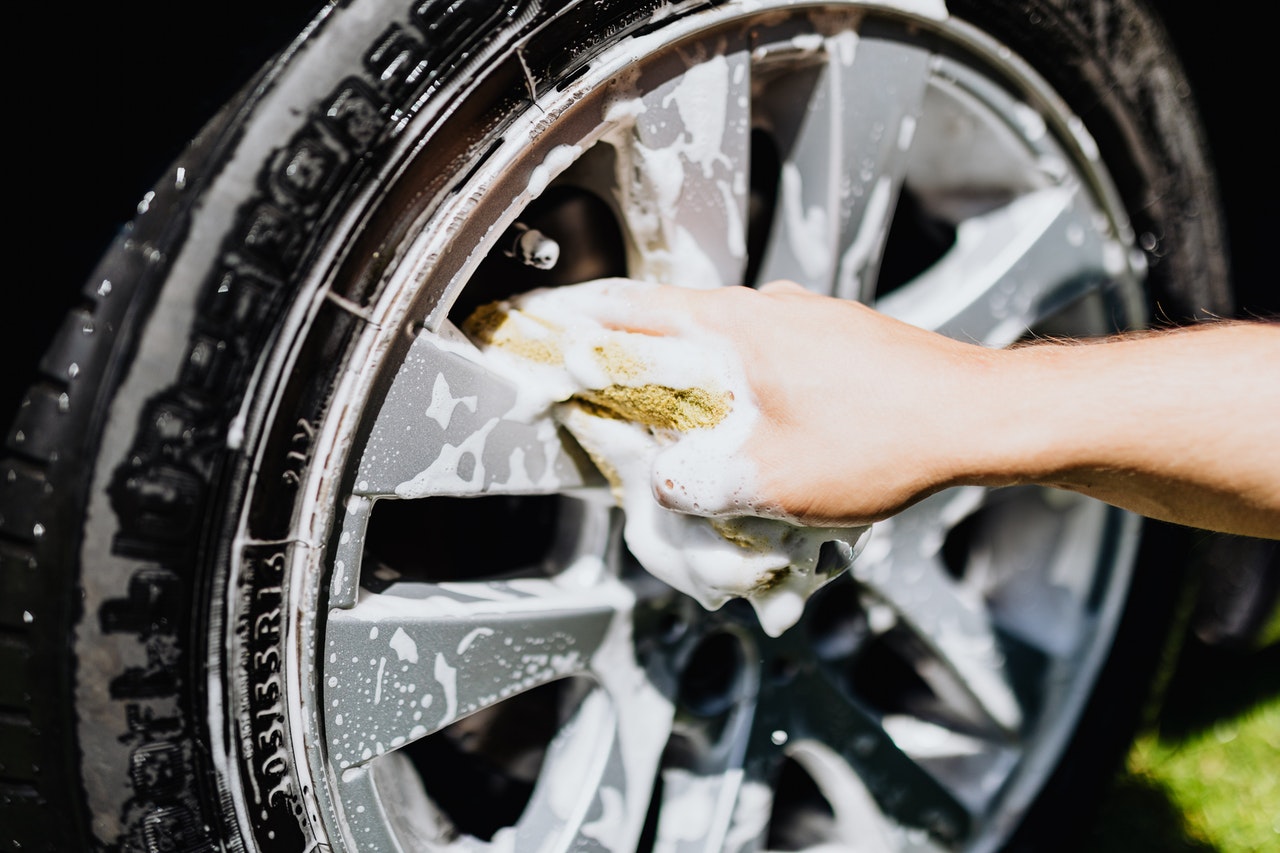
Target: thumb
point(781, 285)
point(685, 478)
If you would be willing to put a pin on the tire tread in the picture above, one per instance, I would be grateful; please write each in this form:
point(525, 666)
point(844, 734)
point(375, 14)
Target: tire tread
point(41, 462)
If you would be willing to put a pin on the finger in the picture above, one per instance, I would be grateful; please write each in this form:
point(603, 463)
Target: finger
point(703, 475)
point(619, 304)
point(782, 285)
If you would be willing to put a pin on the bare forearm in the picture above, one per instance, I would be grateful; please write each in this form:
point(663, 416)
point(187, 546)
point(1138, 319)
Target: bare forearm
point(860, 415)
point(1180, 425)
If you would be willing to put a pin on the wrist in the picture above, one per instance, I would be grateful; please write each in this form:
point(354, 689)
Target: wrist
point(1015, 429)
point(978, 430)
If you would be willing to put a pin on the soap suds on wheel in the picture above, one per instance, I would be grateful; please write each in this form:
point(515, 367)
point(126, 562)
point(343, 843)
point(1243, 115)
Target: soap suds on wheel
point(683, 402)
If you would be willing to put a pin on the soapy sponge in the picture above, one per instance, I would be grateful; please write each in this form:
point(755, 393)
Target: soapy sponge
point(679, 405)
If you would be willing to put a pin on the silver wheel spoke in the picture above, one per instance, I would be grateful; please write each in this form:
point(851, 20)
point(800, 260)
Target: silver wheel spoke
point(844, 129)
point(710, 800)
point(445, 429)
point(681, 176)
point(595, 789)
point(906, 572)
point(903, 789)
point(969, 766)
point(1009, 268)
point(858, 823)
point(598, 776)
point(711, 812)
point(1046, 605)
point(406, 663)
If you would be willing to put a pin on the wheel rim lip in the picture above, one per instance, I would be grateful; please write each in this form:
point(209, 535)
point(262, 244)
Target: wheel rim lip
point(318, 761)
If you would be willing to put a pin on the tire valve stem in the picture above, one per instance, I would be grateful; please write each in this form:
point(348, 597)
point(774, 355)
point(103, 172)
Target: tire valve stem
point(531, 247)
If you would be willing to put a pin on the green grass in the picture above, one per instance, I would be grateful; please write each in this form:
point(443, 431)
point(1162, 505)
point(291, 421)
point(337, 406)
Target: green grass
point(1206, 776)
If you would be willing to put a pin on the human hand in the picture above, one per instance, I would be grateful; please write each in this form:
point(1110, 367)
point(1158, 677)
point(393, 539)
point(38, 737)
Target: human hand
point(859, 415)
point(845, 416)
point(645, 393)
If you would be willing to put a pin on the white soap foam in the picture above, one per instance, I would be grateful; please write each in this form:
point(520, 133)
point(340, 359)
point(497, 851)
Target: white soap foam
point(725, 542)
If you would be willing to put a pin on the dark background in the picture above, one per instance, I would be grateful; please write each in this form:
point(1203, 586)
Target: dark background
point(102, 98)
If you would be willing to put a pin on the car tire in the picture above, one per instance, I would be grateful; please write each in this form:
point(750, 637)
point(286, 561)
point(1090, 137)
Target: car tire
point(192, 556)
